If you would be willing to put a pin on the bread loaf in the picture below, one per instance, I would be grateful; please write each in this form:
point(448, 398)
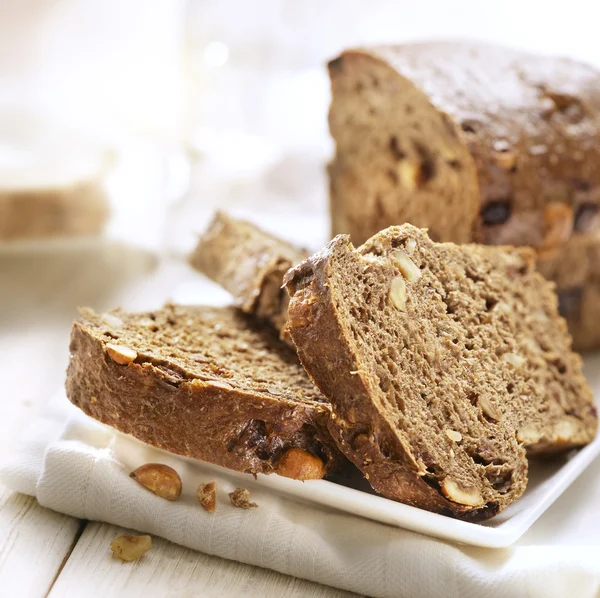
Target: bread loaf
point(475, 142)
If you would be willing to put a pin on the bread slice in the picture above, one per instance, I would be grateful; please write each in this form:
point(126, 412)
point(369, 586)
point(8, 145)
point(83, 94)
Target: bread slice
point(204, 382)
point(249, 263)
point(443, 364)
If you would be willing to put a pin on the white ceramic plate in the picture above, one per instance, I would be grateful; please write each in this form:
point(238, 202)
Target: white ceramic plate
point(548, 479)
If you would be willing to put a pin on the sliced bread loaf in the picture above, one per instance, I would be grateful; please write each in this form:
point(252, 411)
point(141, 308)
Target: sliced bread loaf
point(443, 364)
point(203, 382)
point(249, 263)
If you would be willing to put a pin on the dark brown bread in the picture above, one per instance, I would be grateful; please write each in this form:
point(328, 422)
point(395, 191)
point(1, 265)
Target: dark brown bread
point(203, 382)
point(443, 364)
point(475, 142)
point(249, 263)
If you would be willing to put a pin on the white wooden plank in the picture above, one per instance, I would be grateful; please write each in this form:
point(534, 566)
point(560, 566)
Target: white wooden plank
point(34, 542)
point(170, 571)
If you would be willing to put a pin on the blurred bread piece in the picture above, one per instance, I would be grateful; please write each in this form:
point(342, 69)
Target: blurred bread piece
point(51, 183)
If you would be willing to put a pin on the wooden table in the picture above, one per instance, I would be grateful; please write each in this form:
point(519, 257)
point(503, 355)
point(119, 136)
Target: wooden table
point(43, 553)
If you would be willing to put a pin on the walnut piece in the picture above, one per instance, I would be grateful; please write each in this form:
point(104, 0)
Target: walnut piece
point(300, 465)
point(121, 355)
point(398, 293)
point(130, 548)
point(240, 498)
point(207, 496)
point(407, 267)
point(160, 479)
point(460, 494)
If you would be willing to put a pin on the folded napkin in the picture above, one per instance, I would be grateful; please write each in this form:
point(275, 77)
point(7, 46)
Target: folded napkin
point(76, 466)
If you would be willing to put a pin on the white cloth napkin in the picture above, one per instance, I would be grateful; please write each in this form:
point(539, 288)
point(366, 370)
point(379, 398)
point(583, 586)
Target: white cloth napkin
point(79, 467)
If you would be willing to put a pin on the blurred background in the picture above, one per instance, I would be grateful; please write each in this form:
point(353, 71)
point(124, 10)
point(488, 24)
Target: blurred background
point(163, 111)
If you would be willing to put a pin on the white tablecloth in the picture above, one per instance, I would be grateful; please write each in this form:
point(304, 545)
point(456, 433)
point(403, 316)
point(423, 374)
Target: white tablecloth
point(76, 466)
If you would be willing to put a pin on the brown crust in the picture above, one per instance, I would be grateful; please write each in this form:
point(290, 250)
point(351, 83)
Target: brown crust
point(242, 430)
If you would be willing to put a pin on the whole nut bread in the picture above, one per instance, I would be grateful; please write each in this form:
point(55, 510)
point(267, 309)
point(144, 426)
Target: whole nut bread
point(438, 397)
point(476, 143)
point(204, 382)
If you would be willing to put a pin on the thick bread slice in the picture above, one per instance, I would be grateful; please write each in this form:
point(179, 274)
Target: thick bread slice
point(203, 382)
point(443, 363)
point(249, 263)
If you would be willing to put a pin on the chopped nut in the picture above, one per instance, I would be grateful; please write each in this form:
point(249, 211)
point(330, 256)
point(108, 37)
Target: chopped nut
point(207, 496)
point(240, 498)
point(454, 435)
point(538, 150)
point(120, 355)
point(160, 479)
point(409, 174)
point(558, 224)
point(513, 359)
point(300, 465)
point(462, 495)
point(398, 293)
point(501, 145)
point(220, 384)
point(489, 409)
point(564, 431)
point(411, 245)
point(528, 434)
point(112, 320)
point(129, 548)
point(505, 160)
point(409, 269)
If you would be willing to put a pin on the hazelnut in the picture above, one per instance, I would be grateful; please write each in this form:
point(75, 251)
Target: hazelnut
point(454, 435)
point(505, 160)
point(558, 224)
point(207, 496)
point(409, 174)
point(528, 434)
point(300, 465)
point(111, 320)
point(488, 409)
point(121, 355)
point(220, 384)
point(513, 359)
point(564, 431)
point(407, 267)
point(129, 548)
point(398, 293)
point(160, 479)
point(458, 493)
point(240, 498)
